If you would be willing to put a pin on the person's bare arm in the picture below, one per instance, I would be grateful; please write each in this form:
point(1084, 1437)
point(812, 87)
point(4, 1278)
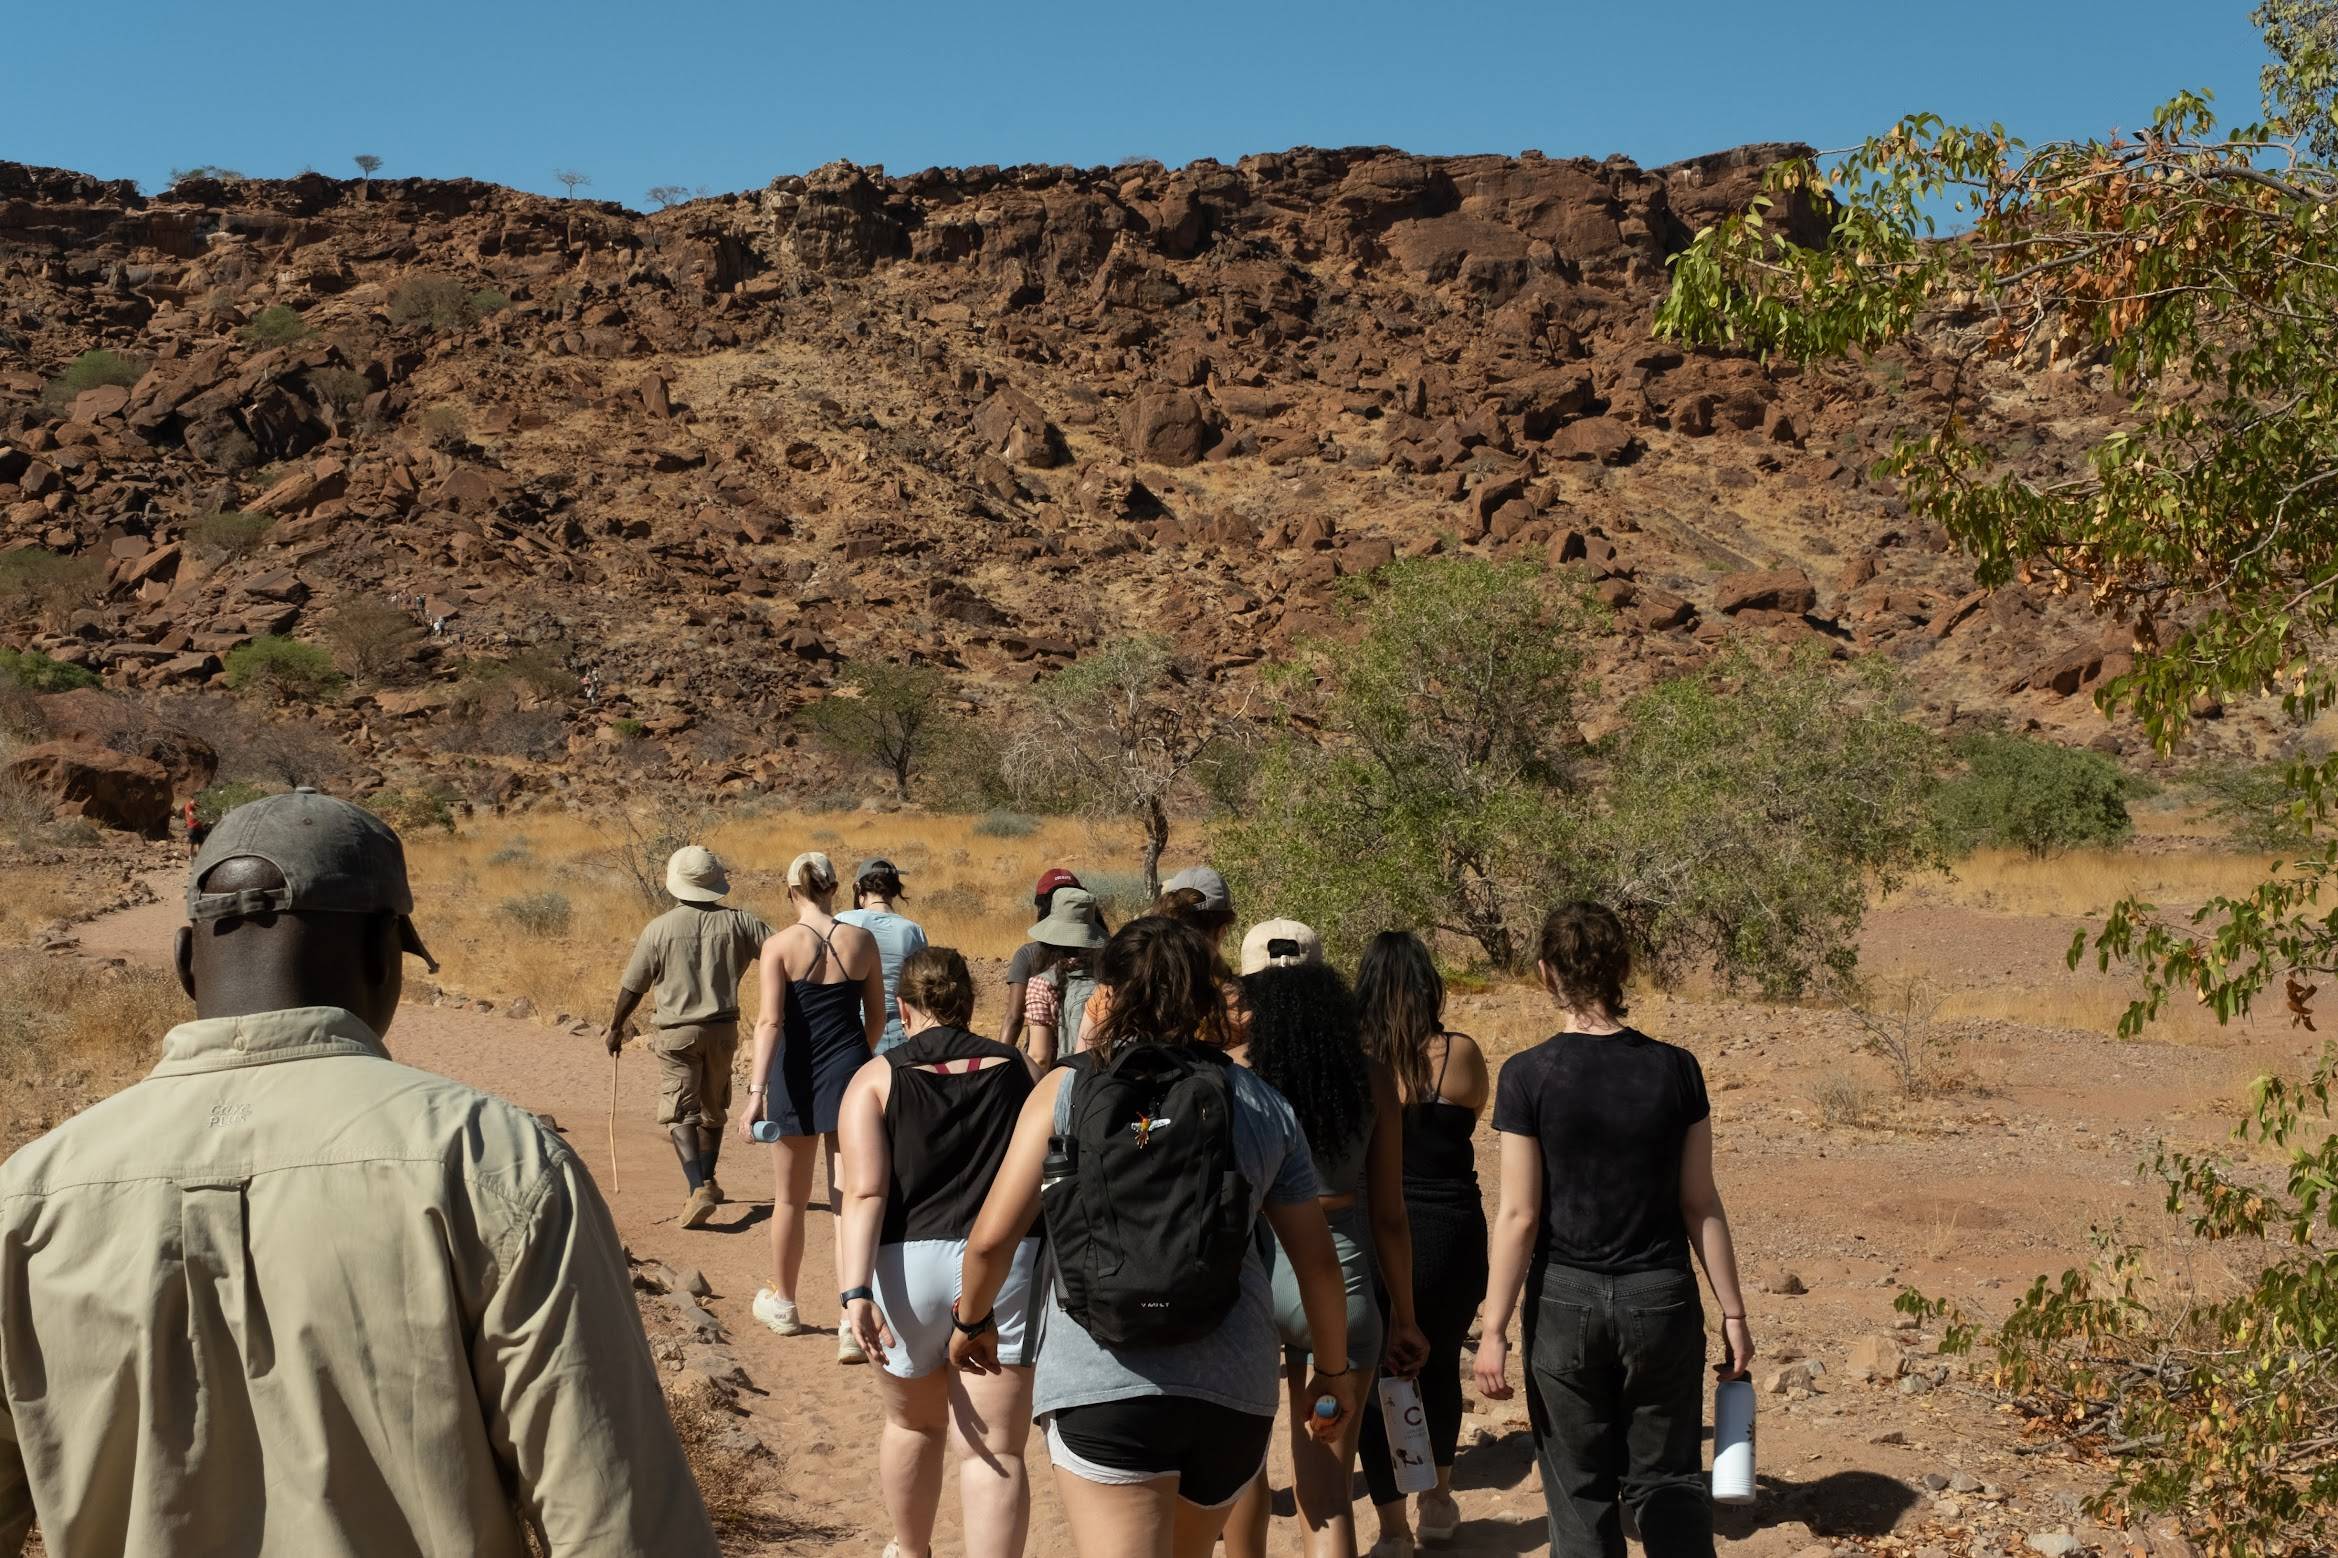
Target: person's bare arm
point(1011, 1035)
point(1003, 1223)
point(1708, 1226)
point(873, 1002)
point(1508, 1250)
point(868, 1172)
point(1468, 1082)
point(771, 988)
point(1392, 1230)
point(627, 1000)
point(1305, 1236)
point(1040, 1026)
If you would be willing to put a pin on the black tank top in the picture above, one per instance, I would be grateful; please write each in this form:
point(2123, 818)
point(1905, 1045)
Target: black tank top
point(1440, 1159)
point(949, 1131)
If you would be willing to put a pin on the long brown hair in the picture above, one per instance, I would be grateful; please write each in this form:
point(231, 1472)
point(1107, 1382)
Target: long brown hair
point(1401, 1001)
point(1164, 989)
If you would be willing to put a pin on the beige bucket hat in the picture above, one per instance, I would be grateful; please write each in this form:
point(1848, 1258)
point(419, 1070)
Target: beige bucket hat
point(1072, 921)
point(695, 875)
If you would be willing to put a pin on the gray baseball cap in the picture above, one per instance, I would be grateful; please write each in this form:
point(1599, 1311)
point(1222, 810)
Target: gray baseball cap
point(335, 858)
point(1206, 881)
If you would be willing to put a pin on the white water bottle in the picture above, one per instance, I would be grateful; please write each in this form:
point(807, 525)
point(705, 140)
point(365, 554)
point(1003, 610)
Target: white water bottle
point(1733, 1442)
point(1407, 1429)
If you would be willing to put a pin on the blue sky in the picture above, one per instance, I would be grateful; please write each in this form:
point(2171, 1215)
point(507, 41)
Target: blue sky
point(727, 95)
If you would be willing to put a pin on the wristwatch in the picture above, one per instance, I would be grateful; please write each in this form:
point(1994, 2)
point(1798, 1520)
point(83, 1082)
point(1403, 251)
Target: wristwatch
point(849, 1294)
point(977, 1327)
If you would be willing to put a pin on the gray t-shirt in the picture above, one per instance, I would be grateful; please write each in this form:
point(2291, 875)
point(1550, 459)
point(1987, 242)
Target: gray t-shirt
point(1019, 966)
point(1239, 1365)
point(898, 939)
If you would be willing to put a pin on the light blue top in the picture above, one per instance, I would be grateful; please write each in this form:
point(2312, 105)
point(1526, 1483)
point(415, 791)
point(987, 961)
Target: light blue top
point(1238, 1365)
point(898, 936)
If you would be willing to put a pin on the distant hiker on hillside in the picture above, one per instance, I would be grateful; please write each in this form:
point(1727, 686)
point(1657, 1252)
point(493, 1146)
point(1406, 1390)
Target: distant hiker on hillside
point(1607, 1185)
point(876, 889)
point(924, 1130)
point(1304, 1042)
point(1441, 1079)
point(1019, 966)
point(287, 1297)
point(1062, 976)
point(694, 956)
point(1154, 1157)
point(823, 1013)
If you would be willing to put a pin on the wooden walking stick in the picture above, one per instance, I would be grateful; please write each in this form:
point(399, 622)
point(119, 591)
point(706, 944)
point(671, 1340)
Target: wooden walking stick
point(613, 1054)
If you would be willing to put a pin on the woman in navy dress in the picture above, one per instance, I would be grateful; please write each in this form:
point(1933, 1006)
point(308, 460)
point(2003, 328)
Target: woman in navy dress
point(822, 1016)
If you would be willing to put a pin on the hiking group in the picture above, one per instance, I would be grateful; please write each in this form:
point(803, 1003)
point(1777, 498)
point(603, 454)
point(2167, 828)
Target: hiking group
point(287, 1297)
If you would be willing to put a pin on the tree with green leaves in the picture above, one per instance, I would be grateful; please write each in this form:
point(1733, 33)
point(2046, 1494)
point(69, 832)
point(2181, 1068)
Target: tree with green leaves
point(1130, 730)
point(888, 716)
point(1748, 812)
point(367, 166)
point(2200, 266)
point(1424, 778)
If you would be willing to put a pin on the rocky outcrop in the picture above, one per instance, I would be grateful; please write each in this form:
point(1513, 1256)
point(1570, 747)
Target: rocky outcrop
point(111, 789)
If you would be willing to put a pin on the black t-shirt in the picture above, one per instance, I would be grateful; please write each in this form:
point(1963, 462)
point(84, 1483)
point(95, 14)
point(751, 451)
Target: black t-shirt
point(1611, 1111)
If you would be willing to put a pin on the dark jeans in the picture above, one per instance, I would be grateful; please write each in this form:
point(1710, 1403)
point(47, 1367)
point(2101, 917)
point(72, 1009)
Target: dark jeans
point(1449, 1283)
point(1616, 1394)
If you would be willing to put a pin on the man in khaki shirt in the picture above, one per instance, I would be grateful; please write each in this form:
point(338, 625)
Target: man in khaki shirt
point(288, 1298)
point(694, 956)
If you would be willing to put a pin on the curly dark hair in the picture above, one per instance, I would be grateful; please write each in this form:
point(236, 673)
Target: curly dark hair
point(1589, 956)
point(1400, 1000)
point(1303, 1040)
point(1163, 992)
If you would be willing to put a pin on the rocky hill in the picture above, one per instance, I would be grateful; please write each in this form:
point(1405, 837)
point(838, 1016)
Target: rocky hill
point(638, 483)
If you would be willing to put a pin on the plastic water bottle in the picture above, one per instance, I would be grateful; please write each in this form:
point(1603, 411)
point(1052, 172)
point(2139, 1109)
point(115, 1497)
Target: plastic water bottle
point(1061, 1163)
point(1327, 1407)
point(1408, 1434)
point(1733, 1442)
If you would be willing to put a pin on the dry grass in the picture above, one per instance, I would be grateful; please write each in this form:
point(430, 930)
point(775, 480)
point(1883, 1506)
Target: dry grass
point(2091, 1004)
point(2085, 882)
point(37, 896)
point(72, 1032)
point(969, 891)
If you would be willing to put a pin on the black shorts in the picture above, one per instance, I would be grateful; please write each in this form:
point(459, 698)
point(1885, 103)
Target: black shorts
point(1213, 1451)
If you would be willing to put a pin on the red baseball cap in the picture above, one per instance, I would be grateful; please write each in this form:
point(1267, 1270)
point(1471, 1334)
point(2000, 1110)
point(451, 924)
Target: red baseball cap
point(1051, 879)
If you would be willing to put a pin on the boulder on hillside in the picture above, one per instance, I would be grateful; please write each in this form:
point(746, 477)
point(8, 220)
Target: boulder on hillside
point(1769, 589)
point(1011, 425)
point(1167, 427)
point(111, 789)
point(89, 717)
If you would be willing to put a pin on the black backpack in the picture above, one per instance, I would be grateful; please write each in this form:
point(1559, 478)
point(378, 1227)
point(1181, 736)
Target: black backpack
point(1148, 1214)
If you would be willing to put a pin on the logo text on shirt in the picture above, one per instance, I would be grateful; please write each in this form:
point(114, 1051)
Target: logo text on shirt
point(230, 1114)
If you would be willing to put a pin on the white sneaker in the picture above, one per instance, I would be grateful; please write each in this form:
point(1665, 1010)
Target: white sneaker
point(1439, 1518)
point(779, 1314)
point(848, 1346)
point(1392, 1547)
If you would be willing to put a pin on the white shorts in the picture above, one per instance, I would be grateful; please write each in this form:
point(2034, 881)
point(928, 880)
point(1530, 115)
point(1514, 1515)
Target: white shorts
point(917, 1282)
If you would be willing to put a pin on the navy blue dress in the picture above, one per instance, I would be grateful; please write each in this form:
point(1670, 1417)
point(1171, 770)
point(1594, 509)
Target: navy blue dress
point(822, 1043)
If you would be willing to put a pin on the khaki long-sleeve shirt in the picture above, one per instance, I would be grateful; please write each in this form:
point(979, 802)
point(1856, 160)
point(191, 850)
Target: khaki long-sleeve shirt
point(288, 1298)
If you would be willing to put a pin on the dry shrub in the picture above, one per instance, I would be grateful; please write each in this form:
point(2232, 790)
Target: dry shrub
point(71, 1032)
point(374, 639)
point(734, 1473)
point(1846, 1100)
point(1900, 1024)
